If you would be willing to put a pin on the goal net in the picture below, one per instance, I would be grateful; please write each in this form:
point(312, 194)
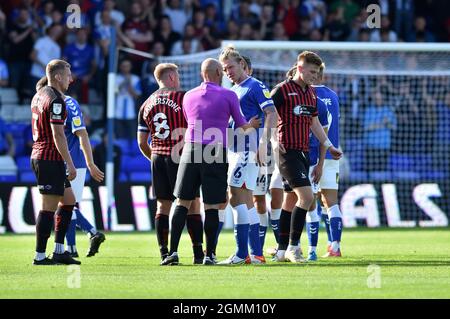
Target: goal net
point(394, 122)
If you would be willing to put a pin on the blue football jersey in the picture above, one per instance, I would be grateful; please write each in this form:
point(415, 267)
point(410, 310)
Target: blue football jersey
point(313, 141)
point(254, 97)
point(74, 122)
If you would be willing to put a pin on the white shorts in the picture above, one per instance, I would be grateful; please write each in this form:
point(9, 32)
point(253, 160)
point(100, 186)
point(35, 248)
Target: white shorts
point(78, 184)
point(243, 170)
point(267, 181)
point(276, 181)
point(330, 175)
point(314, 186)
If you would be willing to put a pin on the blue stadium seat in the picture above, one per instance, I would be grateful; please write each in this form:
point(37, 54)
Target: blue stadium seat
point(356, 160)
point(20, 146)
point(8, 178)
point(357, 176)
point(380, 176)
point(423, 162)
point(406, 176)
point(123, 177)
point(401, 162)
point(136, 164)
point(23, 163)
point(27, 177)
point(134, 149)
point(17, 129)
point(140, 177)
point(124, 145)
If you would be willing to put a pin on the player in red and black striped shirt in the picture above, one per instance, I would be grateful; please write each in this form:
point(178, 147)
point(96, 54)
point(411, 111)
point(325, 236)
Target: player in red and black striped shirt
point(49, 153)
point(296, 103)
point(161, 117)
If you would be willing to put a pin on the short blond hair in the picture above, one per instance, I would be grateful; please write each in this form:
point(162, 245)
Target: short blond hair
point(55, 67)
point(164, 68)
point(310, 58)
point(230, 52)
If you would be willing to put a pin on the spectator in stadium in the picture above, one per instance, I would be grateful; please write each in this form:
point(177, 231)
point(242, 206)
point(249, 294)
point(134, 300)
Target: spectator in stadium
point(404, 17)
point(7, 144)
point(139, 32)
point(287, 14)
point(45, 14)
point(349, 9)
point(45, 49)
point(4, 74)
point(117, 16)
point(420, 33)
point(152, 10)
point(266, 22)
point(385, 34)
point(242, 14)
point(232, 31)
point(166, 35)
point(379, 124)
point(21, 36)
point(100, 152)
point(213, 19)
point(166, 105)
point(303, 33)
point(178, 12)
point(188, 44)
point(336, 29)
point(128, 91)
point(81, 57)
point(246, 32)
point(148, 81)
point(211, 105)
point(279, 33)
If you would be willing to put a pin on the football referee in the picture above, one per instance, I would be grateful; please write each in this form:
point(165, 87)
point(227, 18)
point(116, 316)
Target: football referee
point(207, 109)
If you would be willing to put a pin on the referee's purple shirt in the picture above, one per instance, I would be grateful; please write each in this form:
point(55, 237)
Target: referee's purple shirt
point(209, 106)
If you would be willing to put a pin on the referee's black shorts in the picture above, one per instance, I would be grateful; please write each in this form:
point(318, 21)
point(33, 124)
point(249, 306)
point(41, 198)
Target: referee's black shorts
point(294, 168)
point(51, 176)
point(164, 177)
point(209, 172)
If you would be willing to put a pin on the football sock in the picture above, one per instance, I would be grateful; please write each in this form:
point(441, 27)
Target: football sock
point(178, 222)
point(162, 232)
point(253, 234)
point(195, 229)
point(326, 221)
point(221, 223)
point(275, 222)
point(285, 223)
point(335, 226)
point(44, 225)
point(312, 228)
point(71, 235)
point(297, 223)
point(241, 229)
point(63, 216)
point(83, 223)
point(263, 223)
point(211, 227)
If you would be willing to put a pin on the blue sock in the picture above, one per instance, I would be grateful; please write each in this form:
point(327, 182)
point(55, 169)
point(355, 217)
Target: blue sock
point(70, 234)
point(253, 240)
point(336, 228)
point(262, 235)
point(241, 235)
point(327, 227)
point(313, 233)
point(82, 222)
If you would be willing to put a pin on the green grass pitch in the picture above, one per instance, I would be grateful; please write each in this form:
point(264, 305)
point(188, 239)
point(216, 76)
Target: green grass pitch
point(382, 263)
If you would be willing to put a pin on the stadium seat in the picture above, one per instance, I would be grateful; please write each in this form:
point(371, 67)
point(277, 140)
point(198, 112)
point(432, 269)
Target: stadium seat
point(9, 96)
point(380, 176)
point(136, 164)
point(406, 176)
point(356, 160)
point(124, 145)
point(401, 163)
point(134, 149)
point(27, 177)
point(140, 177)
point(23, 163)
point(357, 176)
point(123, 177)
point(8, 178)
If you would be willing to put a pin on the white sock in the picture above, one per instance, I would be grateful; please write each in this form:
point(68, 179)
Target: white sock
point(264, 219)
point(39, 256)
point(71, 248)
point(59, 248)
point(93, 231)
point(335, 246)
point(334, 212)
point(293, 247)
point(222, 215)
point(312, 216)
point(275, 213)
point(312, 249)
point(240, 215)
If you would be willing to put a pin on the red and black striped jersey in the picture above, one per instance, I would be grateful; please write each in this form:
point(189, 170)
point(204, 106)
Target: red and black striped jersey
point(162, 116)
point(296, 107)
point(47, 107)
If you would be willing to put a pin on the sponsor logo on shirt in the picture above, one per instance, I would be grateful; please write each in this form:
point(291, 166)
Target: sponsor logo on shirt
point(76, 121)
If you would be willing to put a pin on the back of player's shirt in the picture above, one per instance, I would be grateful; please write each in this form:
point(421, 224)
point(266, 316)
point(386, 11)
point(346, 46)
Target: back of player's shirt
point(331, 100)
point(160, 115)
point(47, 107)
point(74, 122)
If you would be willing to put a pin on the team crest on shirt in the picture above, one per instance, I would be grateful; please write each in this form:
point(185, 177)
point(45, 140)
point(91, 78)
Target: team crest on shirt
point(76, 121)
point(57, 108)
point(266, 93)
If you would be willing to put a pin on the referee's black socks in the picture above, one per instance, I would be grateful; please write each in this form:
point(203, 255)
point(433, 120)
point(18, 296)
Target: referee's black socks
point(297, 223)
point(44, 225)
point(211, 228)
point(178, 221)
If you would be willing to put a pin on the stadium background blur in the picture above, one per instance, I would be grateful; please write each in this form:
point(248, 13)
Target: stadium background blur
point(30, 28)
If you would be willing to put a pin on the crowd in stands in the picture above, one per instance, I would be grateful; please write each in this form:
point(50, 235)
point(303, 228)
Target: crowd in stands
point(32, 32)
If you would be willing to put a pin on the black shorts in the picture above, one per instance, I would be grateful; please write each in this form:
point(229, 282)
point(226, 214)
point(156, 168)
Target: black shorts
point(164, 177)
point(51, 176)
point(194, 171)
point(294, 168)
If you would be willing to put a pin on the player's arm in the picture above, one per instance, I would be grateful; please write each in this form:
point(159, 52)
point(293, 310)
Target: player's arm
point(142, 135)
point(318, 131)
point(278, 102)
point(85, 143)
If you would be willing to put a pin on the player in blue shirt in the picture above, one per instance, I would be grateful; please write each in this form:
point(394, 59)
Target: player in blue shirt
point(329, 182)
point(81, 152)
point(255, 100)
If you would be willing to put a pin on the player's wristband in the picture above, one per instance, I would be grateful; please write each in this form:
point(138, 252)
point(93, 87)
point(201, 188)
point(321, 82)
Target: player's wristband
point(327, 143)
